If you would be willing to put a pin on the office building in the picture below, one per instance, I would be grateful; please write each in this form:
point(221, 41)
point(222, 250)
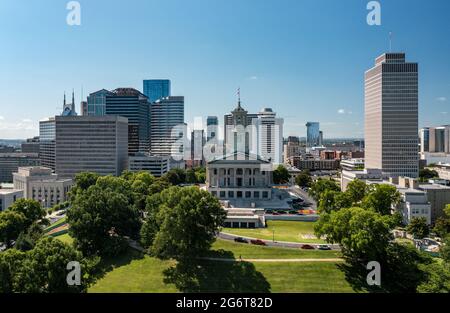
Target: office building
point(197, 143)
point(96, 102)
point(31, 145)
point(69, 108)
point(8, 197)
point(167, 125)
point(391, 116)
point(40, 184)
point(133, 105)
point(84, 108)
point(156, 89)
point(212, 128)
point(268, 132)
point(91, 144)
point(312, 134)
point(155, 165)
point(292, 148)
point(10, 162)
point(47, 136)
point(129, 103)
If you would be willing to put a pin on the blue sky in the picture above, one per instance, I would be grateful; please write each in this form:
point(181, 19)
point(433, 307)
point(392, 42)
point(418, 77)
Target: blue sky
point(305, 59)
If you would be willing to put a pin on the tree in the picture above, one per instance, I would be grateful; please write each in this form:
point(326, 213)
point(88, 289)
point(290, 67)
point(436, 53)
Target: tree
point(181, 223)
point(333, 200)
point(445, 249)
point(425, 174)
point(200, 173)
point(303, 179)
point(43, 269)
point(48, 264)
point(82, 182)
point(281, 175)
point(364, 236)
point(320, 186)
point(442, 224)
point(12, 223)
point(11, 262)
point(31, 209)
point(381, 198)
point(176, 176)
point(190, 176)
point(357, 190)
point(438, 279)
point(102, 215)
point(418, 227)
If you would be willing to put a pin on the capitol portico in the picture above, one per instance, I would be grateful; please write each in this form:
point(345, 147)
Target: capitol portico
point(239, 176)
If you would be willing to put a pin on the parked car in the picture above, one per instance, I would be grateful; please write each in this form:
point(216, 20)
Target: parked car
point(324, 247)
point(292, 212)
point(281, 212)
point(275, 213)
point(308, 247)
point(269, 211)
point(258, 242)
point(240, 239)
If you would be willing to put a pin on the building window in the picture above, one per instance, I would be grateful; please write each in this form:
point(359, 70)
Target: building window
point(248, 194)
point(235, 225)
point(222, 194)
point(265, 194)
point(256, 194)
point(239, 194)
point(251, 225)
point(230, 194)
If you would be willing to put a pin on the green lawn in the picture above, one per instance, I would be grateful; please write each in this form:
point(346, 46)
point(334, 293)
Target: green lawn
point(294, 231)
point(135, 272)
point(65, 238)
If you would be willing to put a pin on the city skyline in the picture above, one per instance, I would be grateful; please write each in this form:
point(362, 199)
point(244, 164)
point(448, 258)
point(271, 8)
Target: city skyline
point(208, 64)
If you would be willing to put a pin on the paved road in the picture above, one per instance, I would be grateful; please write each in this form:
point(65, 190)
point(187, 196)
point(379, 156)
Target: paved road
point(282, 244)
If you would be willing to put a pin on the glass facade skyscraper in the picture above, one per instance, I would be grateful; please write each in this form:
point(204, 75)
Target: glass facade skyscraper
point(156, 89)
point(129, 103)
point(312, 134)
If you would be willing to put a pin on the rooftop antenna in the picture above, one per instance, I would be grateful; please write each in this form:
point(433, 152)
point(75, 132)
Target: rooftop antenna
point(239, 96)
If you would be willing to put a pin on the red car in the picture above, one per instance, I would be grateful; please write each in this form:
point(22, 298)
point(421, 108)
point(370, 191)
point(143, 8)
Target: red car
point(308, 247)
point(258, 242)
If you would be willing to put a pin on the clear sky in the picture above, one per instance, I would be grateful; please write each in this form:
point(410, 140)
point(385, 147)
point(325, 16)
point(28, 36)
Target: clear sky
point(305, 59)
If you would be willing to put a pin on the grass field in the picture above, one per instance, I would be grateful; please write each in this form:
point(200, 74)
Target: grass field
point(65, 238)
point(135, 272)
point(294, 231)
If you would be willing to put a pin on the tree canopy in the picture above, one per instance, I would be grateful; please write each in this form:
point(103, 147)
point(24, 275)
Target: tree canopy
point(181, 222)
point(281, 175)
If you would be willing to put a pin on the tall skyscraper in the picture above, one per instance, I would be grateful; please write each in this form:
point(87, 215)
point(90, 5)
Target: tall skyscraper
point(268, 132)
point(312, 134)
point(197, 144)
point(69, 108)
point(212, 127)
point(47, 137)
point(391, 116)
point(129, 103)
point(156, 89)
point(167, 124)
point(91, 144)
